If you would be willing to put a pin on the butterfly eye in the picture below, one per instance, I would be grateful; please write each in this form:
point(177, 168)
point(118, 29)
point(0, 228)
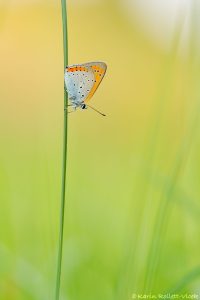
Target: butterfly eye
point(83, 106)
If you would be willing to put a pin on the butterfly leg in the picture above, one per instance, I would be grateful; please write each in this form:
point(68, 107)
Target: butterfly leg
point(65, 108)
point(69, 112)
point(74, 109)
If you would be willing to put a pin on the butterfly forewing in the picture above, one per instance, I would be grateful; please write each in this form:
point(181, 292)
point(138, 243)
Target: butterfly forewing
point(99, 70)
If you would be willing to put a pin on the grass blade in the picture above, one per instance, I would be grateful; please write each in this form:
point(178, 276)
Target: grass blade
point(64, 162)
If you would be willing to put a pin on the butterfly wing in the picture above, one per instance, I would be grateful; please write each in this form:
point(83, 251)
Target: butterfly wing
point(99, 70)
point(83, 80)
point(79, 80)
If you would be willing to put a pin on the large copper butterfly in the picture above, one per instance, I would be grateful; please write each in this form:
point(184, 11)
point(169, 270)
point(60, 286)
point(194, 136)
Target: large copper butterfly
point(82, 81)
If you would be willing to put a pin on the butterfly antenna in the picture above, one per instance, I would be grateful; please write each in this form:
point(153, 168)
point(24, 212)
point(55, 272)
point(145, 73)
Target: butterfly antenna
point(96, 110)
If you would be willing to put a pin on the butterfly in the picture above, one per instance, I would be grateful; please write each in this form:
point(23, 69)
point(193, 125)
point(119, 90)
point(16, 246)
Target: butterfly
point(82, 81)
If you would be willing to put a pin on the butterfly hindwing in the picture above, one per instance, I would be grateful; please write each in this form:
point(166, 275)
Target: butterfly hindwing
point(79, 81)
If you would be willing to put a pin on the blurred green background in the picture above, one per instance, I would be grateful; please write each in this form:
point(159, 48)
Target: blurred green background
point(133, 211)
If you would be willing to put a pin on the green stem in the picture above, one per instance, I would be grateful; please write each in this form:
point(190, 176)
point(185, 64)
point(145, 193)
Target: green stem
point(64, 163)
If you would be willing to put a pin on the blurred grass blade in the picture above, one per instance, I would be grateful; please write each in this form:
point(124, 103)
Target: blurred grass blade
point(64, 163)
point(188, 278)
